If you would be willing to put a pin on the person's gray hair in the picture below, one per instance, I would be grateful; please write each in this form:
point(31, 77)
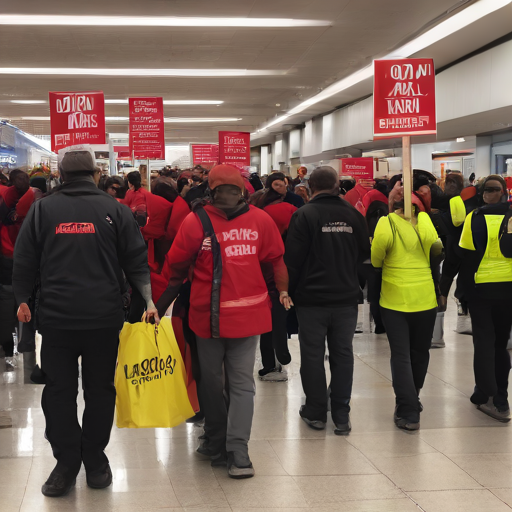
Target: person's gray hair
point(324, 178)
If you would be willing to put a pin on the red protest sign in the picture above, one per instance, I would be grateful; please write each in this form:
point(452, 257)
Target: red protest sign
point(404, 98)
point(361, 169)
point(77, 118)
point(147, 130)
point(205, 153)
point(235, 148)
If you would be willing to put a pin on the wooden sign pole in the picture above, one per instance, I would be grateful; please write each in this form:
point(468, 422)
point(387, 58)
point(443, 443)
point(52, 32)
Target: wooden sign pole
point(407, 176)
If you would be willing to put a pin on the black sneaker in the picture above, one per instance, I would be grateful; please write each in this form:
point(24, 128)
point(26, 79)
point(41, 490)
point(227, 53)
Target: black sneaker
point(239, 465)
point(100, 479)
point(314, 424)
point(59, 483)
point(406, 424)
point(491, 410)
point(220, 460)
point(265, 371)
point(342, 429)
point(205, 449)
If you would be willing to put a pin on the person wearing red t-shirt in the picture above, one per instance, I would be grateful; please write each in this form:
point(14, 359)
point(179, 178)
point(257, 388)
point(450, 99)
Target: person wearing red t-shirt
point(229, 307)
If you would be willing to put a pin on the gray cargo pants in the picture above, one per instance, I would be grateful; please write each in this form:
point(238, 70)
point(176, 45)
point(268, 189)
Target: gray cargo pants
point(227, 366)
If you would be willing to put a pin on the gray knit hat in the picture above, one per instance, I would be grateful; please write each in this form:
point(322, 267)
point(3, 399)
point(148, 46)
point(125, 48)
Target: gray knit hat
point(77, 159)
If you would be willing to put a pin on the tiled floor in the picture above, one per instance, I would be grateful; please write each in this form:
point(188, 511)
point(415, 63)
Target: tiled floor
point(461, 460)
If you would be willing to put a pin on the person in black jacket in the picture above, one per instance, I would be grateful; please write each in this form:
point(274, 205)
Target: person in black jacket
point(326, 241)
point(80, 240)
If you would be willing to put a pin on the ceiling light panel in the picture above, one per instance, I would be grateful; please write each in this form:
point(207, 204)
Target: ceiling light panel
point(201, 119)
point(140, 72)
point(166, 120)
point(171, 102)
point(155, 21)
point(29, 102)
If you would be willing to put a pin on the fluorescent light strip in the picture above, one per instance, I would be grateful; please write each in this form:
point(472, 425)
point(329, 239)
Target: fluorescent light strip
point(457, 22)
point(140, 72)
point(155, 21)
point(200, 119)
point(166, 120)
point(28, 102)
point(171, 102)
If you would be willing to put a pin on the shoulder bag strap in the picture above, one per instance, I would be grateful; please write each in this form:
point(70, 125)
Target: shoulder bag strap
point(217, 271)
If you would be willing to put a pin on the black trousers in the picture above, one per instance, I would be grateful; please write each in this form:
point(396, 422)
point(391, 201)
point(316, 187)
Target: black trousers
point(338, 325)
point(72, 443)
point(275, 343)
point(492, 321)
point(8, 320)
point(410, 337)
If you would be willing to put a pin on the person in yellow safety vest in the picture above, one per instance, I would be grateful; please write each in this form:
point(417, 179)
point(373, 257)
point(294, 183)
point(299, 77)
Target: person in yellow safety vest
point(403, 249)
point(487, 288)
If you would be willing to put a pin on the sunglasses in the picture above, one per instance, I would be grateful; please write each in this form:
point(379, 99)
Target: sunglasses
point(493, 189)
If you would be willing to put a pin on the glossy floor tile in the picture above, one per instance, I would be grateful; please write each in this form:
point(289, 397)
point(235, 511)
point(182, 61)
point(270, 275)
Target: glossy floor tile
point(460, 460)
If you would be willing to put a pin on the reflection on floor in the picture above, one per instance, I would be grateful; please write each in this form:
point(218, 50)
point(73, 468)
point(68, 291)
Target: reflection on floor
point(460, 460)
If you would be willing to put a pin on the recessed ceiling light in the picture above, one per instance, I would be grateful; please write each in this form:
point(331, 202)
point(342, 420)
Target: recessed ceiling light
point(278, 104)
point(28, 102)
point(171, 102)
point(461, 139)
point(155, 21)
point(457, 22)
point(140, 72)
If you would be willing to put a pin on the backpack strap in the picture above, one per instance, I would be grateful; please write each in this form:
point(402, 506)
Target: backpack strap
point(217, 271)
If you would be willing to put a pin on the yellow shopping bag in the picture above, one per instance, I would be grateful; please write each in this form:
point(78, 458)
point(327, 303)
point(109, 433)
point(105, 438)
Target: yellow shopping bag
point(150, 378)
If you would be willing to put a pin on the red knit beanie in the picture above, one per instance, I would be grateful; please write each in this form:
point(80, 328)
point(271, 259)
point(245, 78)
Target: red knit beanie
point(225, 175)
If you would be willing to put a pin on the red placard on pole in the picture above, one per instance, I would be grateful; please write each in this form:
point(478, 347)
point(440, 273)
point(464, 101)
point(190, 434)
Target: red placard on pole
point(404, 98)
point(361, 169)
point(235, 148)
point(77, 118)
point(147, 129)
point(205, 153)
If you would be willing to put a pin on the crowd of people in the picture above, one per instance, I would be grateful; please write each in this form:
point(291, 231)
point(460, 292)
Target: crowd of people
point(246, 261)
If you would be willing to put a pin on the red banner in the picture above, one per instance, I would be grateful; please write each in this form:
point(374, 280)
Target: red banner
point(205, 153)
point(123, 152)
point(77, 118)
point(361, 169)
point(235, 148)
point(147, 130)
point(404, 98)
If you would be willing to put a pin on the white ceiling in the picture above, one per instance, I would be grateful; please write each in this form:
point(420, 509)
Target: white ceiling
point(312, 57)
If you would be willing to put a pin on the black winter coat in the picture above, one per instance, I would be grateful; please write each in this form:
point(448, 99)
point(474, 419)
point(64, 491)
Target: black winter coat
point(80, 240)
point(326, 241)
